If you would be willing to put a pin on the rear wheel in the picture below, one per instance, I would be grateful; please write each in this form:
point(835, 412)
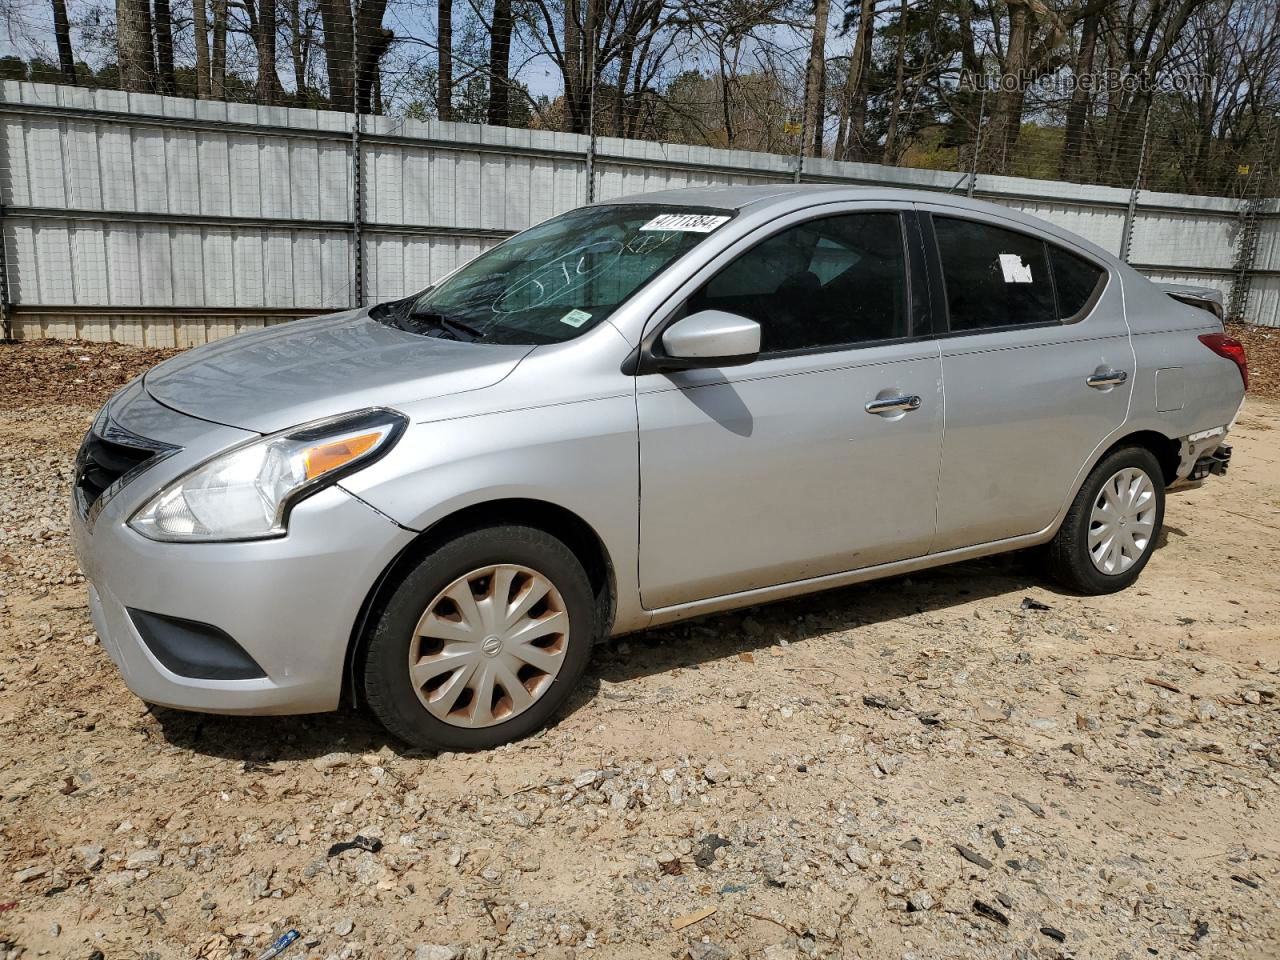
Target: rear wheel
point(1111, 529)
point(482, 642)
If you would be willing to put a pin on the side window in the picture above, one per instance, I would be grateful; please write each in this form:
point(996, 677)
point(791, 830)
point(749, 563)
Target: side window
point(993, 277)
point(1076, 280)
point(825, 283)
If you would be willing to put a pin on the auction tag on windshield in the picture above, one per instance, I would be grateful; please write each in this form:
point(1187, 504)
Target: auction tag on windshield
point(1015, 271)
point(575, 318)
point(686, 222)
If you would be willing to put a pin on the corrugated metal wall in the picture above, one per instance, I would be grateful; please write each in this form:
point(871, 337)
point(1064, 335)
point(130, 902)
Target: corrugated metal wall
point(159, 220)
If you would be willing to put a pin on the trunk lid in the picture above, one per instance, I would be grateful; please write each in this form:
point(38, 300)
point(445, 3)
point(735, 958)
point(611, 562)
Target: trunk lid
point(292, 373)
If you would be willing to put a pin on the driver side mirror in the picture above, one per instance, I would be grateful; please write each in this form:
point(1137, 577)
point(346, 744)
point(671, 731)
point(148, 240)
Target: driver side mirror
point(708, 338)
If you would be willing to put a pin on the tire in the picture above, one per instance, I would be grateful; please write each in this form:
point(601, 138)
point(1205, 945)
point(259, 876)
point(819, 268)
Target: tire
point(1069, 556)
point(531, 558)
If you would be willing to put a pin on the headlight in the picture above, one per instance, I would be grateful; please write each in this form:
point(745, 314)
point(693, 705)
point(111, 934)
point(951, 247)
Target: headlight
point(246, 493)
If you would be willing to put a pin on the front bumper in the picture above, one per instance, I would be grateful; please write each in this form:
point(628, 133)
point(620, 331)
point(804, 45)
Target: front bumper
point(290, 603)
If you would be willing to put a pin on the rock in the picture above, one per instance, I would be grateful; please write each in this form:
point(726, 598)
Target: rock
point(344, 926)
point(1053, 933)
point(113, 883)
point(990, 912)
point(29, 874)
point(586, 778)
point(436, 951)
point(859, 855)
point(707, 951)
point(715, 772)
point(90, 856)
point(921, 900)
point(1030, 805)
point(144, 859)
point(331, 761)
point(973, 856)
point(779, 951)
point(705, 853)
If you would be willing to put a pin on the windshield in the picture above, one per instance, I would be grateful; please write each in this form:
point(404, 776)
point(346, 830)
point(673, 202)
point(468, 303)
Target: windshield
point(558, 279)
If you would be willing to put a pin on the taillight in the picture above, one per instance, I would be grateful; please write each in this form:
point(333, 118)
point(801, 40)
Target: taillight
point(1232, 349)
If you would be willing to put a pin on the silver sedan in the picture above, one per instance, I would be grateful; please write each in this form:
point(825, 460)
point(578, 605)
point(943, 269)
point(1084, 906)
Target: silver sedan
point(636, 412)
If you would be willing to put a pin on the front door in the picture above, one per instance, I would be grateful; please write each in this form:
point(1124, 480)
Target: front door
point(819, 457)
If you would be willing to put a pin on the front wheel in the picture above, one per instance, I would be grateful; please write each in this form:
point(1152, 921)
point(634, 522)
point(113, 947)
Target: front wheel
point(481, 642)
point(1110, 531)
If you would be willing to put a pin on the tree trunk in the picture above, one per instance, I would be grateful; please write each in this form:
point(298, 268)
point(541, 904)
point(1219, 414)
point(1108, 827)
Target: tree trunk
point(133, 40)
point(218, 58)
point(1006, 118)
point(62, 33)
point(853, 105)
point(163, 20)
point(626, 58)
point(264, 40)
point(444, 43)
point(339, 53)
point(200, 27)
point(499, 63)
point(1078, 108)
point(297, 45)
point(899, 81)
point(814, 114)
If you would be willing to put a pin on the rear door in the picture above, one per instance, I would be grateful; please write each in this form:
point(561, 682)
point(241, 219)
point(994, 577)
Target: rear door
point(1038, 368)
point(777, 471)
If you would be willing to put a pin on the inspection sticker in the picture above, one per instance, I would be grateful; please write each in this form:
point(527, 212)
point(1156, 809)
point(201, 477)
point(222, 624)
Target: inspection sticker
point(686, 222)
point(575, 318)
point(1015, 271)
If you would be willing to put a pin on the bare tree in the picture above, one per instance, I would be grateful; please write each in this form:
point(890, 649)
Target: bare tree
point(62, 35)
point(200, 28)
point(162, 21)
point(264, 25)
point(499, 62)
point(814, 80)
point(218, 56)
point(1077, 110)
point(851, 132)
point(134, 50)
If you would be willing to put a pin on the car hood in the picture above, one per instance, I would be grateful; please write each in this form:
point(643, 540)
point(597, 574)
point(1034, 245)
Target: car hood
point(295, 372)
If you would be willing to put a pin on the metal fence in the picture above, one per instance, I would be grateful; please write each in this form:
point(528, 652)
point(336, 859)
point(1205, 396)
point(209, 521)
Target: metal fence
point(166, 221)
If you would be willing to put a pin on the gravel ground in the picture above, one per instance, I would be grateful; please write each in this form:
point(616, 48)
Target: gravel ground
point(963, 763)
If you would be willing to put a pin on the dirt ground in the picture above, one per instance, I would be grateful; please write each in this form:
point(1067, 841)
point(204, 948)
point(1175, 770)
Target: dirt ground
point(963, 763)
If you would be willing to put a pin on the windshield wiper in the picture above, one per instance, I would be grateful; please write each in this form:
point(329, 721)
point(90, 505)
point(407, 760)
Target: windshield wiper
point(458, 329)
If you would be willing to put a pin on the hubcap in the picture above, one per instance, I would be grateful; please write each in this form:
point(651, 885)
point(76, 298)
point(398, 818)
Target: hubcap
point(1123, 521)
point(489, 646)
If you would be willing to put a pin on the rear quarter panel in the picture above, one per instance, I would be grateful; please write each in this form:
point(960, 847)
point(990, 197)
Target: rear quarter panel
point(1180, 385)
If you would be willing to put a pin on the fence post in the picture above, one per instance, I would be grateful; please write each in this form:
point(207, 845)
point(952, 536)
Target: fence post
point(591, 126)
point(6, 318)
point(1246, 247)
point(977, 143)
point(1131, 212)
point(357, 167)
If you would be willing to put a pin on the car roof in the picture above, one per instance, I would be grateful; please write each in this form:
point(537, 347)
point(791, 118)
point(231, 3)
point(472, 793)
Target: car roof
point(784, 197)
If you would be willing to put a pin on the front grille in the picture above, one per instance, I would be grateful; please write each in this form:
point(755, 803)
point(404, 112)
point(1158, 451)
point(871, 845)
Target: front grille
point(110, 457)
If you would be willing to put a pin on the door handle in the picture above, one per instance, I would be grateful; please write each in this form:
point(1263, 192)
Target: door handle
point(903, 404)
point(1106, 378)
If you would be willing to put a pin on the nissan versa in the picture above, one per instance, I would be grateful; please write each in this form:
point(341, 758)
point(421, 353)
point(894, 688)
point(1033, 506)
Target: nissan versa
point(636, 412)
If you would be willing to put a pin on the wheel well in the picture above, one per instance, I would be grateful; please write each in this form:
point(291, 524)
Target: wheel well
point(1167, 451)
point(563, 524)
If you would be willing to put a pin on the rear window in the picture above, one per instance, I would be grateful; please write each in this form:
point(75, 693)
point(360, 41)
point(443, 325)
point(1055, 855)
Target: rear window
point(1002, 278)
point(1076, 280)
point(993, 277)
